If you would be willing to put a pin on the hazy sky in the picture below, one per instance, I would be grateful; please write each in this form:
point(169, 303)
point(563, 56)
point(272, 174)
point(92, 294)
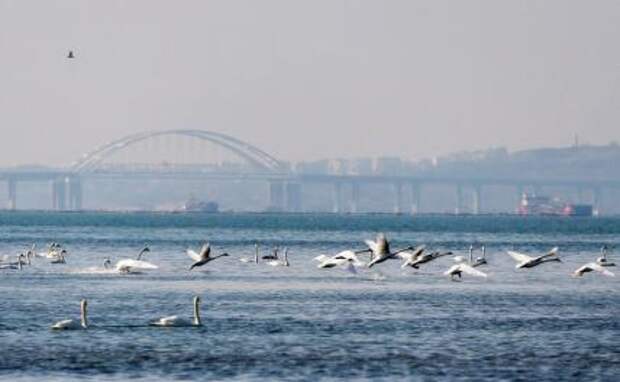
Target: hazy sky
point(309, 79)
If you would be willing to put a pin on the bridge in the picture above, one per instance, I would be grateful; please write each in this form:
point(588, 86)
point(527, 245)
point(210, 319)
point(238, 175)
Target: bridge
point(285, 186)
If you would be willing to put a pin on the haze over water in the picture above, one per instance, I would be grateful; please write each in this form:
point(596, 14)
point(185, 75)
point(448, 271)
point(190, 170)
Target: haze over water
point(301, 322)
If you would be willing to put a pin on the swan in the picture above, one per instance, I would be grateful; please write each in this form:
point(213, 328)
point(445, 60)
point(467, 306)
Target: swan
point(341, 258)
point(178, 321)
point(131, 265)
point(589, 267)
point(459, 269)
point(481, 260)
point(280, 263)
point(411, 256)
point(273, 256)
point(73, 324)
point(53, 251)
point(13, 265)
point(525, 261)
point(425, 258)
point(602, 261)
point(59, 257)
point(251, 259)
point(380, 250)
point(203, 257)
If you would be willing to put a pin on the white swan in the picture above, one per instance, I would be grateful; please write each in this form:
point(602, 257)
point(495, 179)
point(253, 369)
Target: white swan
point(280, 263)
point(5, 264)
point(459, 269)
point(590, 267)
point(133, 266)
point(251, 259)
point(525, 261)
point(58, 257)
point(53, 251)
point(423, 258)
point(273, 256)
point(73, 324)
point(602, 261)
point(480, 260)
point(203, 257)
point(380, 250)
point(341, 258)
point(179, 321)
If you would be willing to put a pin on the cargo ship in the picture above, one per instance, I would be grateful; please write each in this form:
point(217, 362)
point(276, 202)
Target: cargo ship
point(545, 205)
point(195, 205)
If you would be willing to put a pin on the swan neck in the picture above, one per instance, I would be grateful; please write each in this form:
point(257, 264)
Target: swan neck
point(83, 315)
point(197, 312)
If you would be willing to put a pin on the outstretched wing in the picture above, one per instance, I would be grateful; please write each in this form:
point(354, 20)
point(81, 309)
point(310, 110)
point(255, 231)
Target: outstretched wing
point(471, 270)
point(192, 254)
point(599, 268)
point(321, 258)
point(520, 257)
point(205, 251)
point(452, 269)
point(166, 321)
point(372, 245)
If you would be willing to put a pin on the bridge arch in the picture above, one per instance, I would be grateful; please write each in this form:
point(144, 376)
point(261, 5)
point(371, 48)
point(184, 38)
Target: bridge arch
point(263, 161)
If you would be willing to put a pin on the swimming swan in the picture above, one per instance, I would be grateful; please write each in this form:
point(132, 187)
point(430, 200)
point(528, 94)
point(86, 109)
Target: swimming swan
point(280, 263)
point(178, 321)
point(73, 324)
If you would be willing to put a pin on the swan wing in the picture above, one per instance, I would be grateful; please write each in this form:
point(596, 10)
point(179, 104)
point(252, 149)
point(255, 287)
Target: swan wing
point(192, 254)
point(166, 321)
point(134, 264)
point(598, 268)
point(553, 251)
point(520, 257)
point(372, 245)
point(451, 270)
point(205, 251)
point(471, 270)
point(321, 258)
point(63, 324)
point(348, 254)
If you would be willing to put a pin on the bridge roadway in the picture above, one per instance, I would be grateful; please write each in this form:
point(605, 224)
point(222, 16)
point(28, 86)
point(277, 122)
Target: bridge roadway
point(286, 188)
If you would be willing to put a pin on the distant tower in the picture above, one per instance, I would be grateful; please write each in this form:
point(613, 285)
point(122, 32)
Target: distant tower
point(70, 55)
point(576, 141)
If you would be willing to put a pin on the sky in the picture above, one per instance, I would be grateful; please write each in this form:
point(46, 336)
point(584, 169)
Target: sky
point(305, 80)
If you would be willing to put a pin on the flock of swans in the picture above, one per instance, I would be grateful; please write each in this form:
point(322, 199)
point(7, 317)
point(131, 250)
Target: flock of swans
point(378, 251)
point(167, 321)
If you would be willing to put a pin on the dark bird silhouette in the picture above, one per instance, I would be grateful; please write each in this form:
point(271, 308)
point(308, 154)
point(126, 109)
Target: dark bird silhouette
point(70, 55)
point(203, 257)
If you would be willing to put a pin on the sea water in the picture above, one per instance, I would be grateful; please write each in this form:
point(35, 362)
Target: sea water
point(300, 322)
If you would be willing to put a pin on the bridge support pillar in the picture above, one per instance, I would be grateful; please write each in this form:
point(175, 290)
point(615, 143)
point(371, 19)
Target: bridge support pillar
point(59, 194)
point(459, 199)
point(398, 197)
point(355, 197)
point(415, 198)
point(293, 197)
point(75, 193)
point(477, 194)
point(596, 201)
point(12, 185)
point(276, 195)
point(337, 198)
